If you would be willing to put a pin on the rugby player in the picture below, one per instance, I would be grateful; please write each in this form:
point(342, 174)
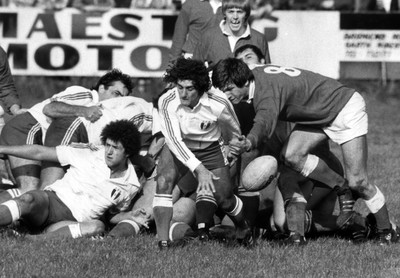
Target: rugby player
point(30, 127)
point(192, 118)
point(295, 203)
point(65, 130)
point(99, 179)
point(321, 108)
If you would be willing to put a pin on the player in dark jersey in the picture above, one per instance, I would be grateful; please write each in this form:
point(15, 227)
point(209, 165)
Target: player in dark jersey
point(322, 108)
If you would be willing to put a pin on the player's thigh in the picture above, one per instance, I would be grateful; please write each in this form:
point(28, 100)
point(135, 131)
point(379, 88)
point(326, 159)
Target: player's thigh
point(184, 210)
point(168, 171)
point(223, 185)
point(34, 207)
point(299, 144)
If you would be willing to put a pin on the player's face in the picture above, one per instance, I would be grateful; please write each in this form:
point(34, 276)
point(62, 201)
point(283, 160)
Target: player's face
point(117, 89)
point(249, 57)
point(236, 21)
point(188, 95)
point(115, 155)
point(236, 94)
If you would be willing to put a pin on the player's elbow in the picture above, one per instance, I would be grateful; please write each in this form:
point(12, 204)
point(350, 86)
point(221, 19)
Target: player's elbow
point(48, 110)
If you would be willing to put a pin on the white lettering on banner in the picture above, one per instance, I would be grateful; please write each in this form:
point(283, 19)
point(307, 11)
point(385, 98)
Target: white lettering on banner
point(75, 43)
point(71, 42)
point(371, 45)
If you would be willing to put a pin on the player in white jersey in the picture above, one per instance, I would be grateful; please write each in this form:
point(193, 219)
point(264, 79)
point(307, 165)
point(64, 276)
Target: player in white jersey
point(98, 180)
point(65, 130)
point(30, 127)
point(193, 119)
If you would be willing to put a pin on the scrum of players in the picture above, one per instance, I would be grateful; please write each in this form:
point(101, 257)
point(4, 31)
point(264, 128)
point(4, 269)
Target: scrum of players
point(191, 166)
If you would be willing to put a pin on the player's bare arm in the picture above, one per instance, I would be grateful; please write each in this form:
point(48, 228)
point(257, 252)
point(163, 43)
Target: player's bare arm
point(16, 109)
point(140, 216)
point(57, 109)
point(34, 152)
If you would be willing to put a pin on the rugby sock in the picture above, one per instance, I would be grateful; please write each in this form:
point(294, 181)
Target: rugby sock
point(9, 194)
point(237, 215)
point(125, 228)
point(345, 197)
point(251, 203)
point(9, 212)
point(206, 206)
point(14, 192)
point(377, 205)
point(316, 169)
point(295, 214)
point(179, 230)
point(162, 209)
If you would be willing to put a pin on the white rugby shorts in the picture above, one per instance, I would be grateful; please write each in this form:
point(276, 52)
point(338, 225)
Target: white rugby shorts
point(350, 123)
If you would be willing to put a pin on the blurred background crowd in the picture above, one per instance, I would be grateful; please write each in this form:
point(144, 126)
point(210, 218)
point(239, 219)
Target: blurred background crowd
point(260, 7)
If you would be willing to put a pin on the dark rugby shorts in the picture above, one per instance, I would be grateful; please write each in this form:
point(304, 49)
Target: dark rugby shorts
point(66, 130)
point(22, 129)
point(58, 211)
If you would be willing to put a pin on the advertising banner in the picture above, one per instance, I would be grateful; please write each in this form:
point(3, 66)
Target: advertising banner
point(75, 43)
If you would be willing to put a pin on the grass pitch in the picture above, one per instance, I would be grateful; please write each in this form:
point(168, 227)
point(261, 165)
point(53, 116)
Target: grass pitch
point(322, 257)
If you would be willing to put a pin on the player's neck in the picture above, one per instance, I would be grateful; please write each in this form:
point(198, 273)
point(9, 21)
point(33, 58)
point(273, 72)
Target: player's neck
point(118, 171)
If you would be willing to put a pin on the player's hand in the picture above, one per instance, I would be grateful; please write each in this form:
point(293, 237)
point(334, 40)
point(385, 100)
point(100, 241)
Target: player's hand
point(238, 145)
point(17, 110)
point(141, 217)
point(93, 113)
point(205, 179)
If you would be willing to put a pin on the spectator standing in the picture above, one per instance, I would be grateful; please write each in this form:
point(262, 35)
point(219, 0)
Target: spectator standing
point(8, 93)
point(195, 17)
point(221, 41)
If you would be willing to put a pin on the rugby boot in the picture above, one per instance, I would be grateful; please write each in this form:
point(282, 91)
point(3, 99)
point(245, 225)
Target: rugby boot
point(294, 239)
point(346, 204)
point(383, 237)
point(203, 235)
point(164, 244)
point(357, 228)
point(245, 237)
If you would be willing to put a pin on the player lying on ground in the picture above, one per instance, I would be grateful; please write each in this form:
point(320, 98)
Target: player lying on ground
point(65, 130)
point(272, 222)
point(30, 127)
point(321, 108)
point(192, 118)
point(99, 179)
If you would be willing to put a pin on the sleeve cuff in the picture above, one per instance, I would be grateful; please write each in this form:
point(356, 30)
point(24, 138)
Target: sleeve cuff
point(192, 163)
point(253, 141)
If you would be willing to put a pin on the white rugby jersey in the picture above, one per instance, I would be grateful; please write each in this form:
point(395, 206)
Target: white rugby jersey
point(74, 95)
point(142, 113)
point(185, 128)
point(87, 189)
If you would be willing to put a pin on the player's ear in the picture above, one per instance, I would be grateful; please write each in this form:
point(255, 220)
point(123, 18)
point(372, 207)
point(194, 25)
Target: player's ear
point(262, 61)
point(101, 89)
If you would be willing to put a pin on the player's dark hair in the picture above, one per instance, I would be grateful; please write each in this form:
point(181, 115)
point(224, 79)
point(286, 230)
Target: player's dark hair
point(231, 71)
point(111, 77)
point(244, 5)
point(125, 132)
point(188, 69)
point(253, 48)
